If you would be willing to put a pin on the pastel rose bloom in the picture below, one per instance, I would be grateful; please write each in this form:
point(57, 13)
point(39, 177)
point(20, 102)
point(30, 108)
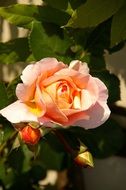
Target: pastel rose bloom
point(53, 93)
point(30, 135)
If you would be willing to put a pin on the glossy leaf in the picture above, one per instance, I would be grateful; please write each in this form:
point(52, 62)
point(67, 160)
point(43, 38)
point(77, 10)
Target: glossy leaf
point(14, 51)
point(118, 28)
point(52, 15)
point(93, 12)
point(19, 14)
point(46, 40)
point(23, 15)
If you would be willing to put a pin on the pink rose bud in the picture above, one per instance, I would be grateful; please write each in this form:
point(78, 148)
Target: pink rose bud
point(30, 135)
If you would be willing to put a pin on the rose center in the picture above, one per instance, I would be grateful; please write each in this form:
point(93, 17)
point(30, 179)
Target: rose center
point(63, 95)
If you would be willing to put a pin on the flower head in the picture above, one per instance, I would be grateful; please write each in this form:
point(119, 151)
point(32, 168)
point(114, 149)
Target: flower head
point(54, 93)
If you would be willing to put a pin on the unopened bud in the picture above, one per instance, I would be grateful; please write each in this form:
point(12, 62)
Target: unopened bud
point(30, 135)
point(84, 159)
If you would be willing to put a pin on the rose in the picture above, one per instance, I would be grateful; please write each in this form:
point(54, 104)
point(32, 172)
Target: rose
point(53, 93)
point(30, 135)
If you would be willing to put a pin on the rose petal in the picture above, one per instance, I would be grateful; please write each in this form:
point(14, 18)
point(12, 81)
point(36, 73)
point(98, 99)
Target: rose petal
point(79, 66)
point(86, 100)
point(103, 91)
point(93, 89)
point(98, 114)
point(37, 105)
point(49, 65)
point(69, 112)
point(25, 93)
point(79, 79)
point(52, 111)
point(77, 116)
point(18, 112)
point(51, 89)
point(56, 78)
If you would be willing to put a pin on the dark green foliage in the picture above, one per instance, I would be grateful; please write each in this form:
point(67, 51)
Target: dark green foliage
point(14, 51)
point(67, 30)
point(103, 141)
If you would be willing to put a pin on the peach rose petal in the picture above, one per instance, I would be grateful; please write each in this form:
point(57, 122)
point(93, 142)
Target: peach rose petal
point(86, 100)
point(73, 118)
point(52, 111)
point(56, 78)
point(51, 90)
point(29, 78)
point(37, 105)
point(48, 65)
point(103, 91)
point(79, 66)
point(17, 112)
point(79, 79)
point(25, 93)
point(93, 89)
point(98, 114)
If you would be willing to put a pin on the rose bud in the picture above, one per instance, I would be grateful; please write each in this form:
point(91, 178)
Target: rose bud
point(30, 135)
point(84, 159)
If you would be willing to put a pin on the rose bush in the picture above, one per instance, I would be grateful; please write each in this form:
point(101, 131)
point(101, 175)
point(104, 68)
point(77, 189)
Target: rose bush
point(54, 93)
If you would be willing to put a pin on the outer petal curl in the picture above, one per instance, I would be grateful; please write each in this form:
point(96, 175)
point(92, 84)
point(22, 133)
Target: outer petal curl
point(48, 65)
point(98, 114)
point(18, 112)
point(79, 66)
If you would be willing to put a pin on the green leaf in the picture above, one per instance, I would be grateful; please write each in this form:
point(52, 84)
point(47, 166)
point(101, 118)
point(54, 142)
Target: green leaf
point(3, 96)
point(19, 14)
point(99, 38)
point(118, 28)
point(14, 51)
point(47, 40)
point(63, 5)
point(58, 159)
point(76, 3)
point(23, 159)
point(52, 15)
point(6, 131)
point(6, 174)
point(57, 4)
point(23, 15)
point(104, 141)
point(93, 12)
point(38, 41)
